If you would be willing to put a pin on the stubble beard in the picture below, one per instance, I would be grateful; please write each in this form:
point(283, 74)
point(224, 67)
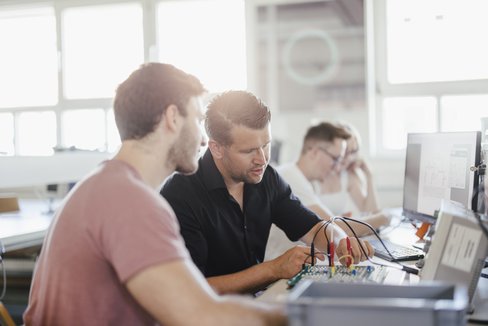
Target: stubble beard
point(183, 155)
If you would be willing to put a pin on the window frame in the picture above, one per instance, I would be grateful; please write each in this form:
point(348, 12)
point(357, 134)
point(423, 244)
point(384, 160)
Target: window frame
point(63, 103)
point(381, 88)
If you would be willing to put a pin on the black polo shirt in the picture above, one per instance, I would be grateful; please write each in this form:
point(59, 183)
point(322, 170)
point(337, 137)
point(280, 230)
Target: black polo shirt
point(221, 238)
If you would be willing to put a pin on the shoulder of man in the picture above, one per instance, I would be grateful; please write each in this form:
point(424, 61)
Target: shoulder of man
point(178, 183)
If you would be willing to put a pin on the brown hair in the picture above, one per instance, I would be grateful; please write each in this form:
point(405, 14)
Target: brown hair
point(324, 131)
point(234, 108)
point(142, 98)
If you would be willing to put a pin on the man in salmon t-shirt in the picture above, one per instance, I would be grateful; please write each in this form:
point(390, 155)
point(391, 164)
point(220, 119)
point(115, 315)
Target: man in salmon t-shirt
point(113, 254)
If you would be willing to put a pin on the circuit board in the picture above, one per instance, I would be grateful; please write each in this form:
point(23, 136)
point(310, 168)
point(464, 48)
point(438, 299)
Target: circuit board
point(340, 274)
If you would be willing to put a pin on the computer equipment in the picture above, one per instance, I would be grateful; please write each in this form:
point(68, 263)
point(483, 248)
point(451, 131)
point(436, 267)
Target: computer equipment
point(458, 251)
point(440, 166)
point(398, 252)
point(313, 303)
point(353, 274)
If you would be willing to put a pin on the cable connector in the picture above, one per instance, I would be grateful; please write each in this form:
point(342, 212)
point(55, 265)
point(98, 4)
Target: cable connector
point(331, 254)
point(312, 253)
point(410, 270)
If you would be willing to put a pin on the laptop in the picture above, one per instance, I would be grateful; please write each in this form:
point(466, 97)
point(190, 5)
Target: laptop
point(458, 250)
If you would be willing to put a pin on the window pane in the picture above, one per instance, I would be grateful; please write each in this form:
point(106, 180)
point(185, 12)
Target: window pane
point(7, 134)
point(101, 46)
point(28, 58)
point(463, 113)
point(84, 129)
point(113, 137)
point(436, 40)
point(214, 40)
point(402, 115)
point(37, 133)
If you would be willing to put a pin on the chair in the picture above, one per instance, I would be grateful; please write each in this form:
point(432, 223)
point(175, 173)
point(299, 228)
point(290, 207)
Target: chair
point(5, 318)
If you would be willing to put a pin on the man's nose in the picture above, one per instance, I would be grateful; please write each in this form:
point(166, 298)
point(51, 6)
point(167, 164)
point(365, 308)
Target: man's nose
point(260, 157)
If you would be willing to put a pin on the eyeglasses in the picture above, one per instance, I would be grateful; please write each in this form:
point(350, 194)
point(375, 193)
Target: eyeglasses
point(335, 159)
point(352, 152)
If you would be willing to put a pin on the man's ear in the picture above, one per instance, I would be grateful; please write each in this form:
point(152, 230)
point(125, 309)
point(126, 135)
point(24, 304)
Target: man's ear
point(216, 149)
point(172, 117)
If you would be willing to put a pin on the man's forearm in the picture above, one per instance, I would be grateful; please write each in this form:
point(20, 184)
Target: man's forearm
point(249, 280)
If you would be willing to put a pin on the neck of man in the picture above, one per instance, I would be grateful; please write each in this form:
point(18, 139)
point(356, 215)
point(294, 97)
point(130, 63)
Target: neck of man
point(234, 187)
point(153, 166)
point(305, 165)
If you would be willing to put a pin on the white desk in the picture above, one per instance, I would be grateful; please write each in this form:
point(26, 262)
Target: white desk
point(27, 227)
point(403, 234)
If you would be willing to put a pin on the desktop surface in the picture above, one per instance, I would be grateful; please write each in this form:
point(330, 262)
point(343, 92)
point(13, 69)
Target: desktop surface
point(26, 227)
point(401, 233)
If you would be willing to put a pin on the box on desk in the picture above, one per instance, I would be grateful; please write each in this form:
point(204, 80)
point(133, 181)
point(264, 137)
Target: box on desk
point(316, 303)
point(8, 203)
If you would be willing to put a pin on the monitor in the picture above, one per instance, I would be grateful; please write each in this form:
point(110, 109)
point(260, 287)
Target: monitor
point(439, 166)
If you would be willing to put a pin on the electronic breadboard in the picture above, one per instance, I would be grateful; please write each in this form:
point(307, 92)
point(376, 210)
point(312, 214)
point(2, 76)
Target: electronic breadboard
point(341, 274)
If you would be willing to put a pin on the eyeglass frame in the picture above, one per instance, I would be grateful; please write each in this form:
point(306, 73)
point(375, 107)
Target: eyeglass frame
point(336, 160)
point(352, 152)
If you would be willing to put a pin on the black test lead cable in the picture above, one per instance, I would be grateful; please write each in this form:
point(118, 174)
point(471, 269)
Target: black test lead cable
point(405, 268)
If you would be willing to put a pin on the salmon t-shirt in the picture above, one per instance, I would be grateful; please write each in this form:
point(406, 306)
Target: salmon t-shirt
point(110, 227)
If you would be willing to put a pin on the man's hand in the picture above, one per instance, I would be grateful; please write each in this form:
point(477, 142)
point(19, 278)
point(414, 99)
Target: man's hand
point(290, 263)
point(354, 250)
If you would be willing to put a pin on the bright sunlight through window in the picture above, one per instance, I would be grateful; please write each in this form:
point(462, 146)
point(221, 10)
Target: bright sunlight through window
point(7, 138)
point(404, 115)
point(84, 129)
point(28, 58)
point(209, 45)
point(102, 45)
point(436, 40)
point(463, 113)
point(37, 133)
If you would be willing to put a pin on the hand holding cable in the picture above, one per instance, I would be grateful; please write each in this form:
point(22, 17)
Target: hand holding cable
point(349, 249)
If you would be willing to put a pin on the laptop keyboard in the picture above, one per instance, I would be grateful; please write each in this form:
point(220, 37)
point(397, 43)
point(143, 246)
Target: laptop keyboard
point(399, 252)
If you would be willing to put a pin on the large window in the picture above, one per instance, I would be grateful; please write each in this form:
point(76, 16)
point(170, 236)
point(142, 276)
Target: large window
point(28, 58)
point(37, 133)
point(7, 135)
point(436, 72)
point(61, 62)
point(436, 40)
point(215, 36)
point(99, 55)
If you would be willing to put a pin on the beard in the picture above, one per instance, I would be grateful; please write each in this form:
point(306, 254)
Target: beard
point(183, 155)
point(246, 176)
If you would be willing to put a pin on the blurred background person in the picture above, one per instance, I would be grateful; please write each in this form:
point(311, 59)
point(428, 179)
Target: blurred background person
point(351, 182)
point(323, 153)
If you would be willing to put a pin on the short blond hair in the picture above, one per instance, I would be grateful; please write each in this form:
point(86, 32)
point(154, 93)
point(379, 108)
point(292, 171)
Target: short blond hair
point(234, 108)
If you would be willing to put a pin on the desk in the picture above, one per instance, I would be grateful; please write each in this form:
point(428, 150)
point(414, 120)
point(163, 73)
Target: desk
point(402, 234)
point(27, 227)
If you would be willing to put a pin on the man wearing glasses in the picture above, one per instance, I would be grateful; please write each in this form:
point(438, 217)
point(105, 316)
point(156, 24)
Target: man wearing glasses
point(227, 208)
point(323, 152)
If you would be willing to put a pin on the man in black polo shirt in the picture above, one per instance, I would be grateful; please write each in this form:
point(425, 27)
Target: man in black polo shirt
point(226, 209)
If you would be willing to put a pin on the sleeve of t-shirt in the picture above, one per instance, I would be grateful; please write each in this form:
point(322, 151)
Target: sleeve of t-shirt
point(149, 232)
point(289, 214)
point(175, 191)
